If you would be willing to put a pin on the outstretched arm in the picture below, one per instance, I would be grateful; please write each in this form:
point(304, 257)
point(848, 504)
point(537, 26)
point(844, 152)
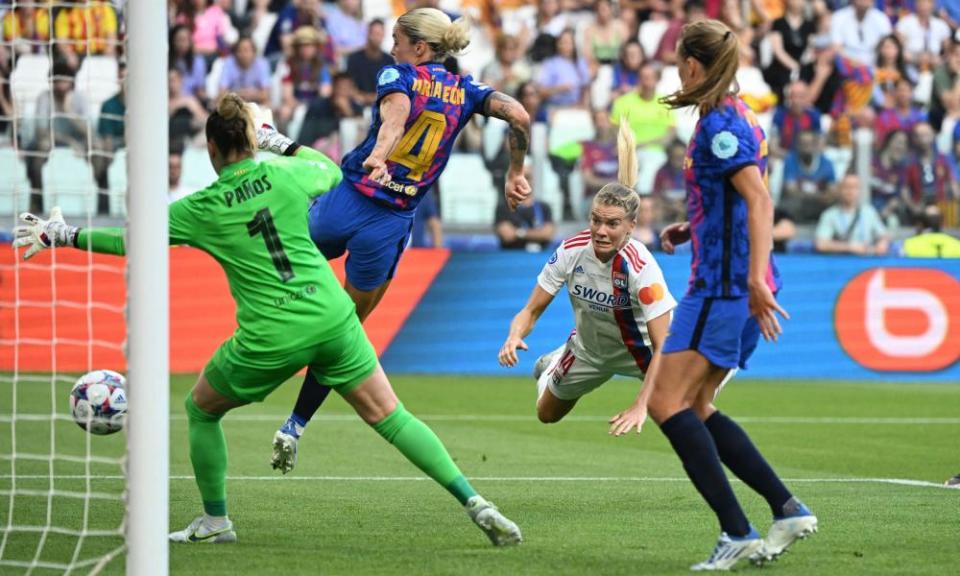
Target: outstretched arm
point(38, 234)
point(499, 105)
point(636, 414)
point(523, 324)
point(394, 111)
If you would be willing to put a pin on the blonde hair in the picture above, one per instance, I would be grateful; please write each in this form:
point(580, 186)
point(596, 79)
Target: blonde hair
point(444, 37)
point(622, 193)
point(716, 47)
point(231, 126)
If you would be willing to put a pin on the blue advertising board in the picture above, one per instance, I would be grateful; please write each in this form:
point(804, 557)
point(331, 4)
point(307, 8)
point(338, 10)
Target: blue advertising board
point(851, 318)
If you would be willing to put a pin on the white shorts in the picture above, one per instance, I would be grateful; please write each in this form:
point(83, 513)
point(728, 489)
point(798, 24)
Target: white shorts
point(569, 377)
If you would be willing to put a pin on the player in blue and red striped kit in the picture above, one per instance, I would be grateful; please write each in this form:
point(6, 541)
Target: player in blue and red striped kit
point(730, 302)
point(420, 110)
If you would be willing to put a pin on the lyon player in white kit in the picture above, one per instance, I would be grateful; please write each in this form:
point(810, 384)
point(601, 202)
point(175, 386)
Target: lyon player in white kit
point(620, 301)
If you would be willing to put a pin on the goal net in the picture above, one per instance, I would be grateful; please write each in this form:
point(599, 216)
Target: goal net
point(63, 313)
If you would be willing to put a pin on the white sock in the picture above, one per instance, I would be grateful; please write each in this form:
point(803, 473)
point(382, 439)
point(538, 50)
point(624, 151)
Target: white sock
point(215, 522)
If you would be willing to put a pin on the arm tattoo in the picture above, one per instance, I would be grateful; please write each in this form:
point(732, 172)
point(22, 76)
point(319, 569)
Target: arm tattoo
point(501, 106)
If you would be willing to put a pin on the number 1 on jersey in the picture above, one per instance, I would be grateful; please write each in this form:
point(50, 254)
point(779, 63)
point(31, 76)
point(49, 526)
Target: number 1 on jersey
point(262, 223)
point(428, 127)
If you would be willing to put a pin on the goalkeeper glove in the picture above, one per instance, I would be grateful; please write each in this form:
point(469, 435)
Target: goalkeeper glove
point(268, 139)
point(40, 234)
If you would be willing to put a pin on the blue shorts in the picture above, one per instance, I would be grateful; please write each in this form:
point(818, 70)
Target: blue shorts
point(720, 329)
point(344, 219)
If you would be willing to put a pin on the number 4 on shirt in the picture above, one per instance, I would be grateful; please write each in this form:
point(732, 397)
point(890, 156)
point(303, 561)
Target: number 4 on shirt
point(429, 127)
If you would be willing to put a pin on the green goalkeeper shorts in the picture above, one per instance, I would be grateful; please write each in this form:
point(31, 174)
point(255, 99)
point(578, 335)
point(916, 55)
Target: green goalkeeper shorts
point(342, 363)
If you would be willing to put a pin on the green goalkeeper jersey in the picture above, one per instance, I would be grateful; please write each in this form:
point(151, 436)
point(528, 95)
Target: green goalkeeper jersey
point(253, 221)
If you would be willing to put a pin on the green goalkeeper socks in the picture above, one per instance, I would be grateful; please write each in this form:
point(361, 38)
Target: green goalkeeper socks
point(208, 453)
point(420, 445)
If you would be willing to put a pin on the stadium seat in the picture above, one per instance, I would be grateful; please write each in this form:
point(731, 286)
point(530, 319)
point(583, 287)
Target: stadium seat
point(669, 81)
point(493, 134)
point(97, 80)
point(30, 77)
point(467, 196)
point(651, 32)
point(197, 172)
point(117, 180)
point(570, 125)
point(14, 186)
point(68, 182)
point(213, 79)
point(601, 88)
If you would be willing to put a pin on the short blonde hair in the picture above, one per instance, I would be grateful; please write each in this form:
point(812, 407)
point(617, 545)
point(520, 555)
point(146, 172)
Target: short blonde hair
point(444, 37)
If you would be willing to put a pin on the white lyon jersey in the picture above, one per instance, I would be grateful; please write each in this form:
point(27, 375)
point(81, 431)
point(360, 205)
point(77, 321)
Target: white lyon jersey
point(612, 301)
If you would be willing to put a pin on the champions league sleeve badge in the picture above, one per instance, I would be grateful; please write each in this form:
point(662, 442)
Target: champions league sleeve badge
point(724, 145)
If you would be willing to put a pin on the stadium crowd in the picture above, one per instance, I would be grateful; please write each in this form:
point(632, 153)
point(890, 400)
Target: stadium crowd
point(814, 72)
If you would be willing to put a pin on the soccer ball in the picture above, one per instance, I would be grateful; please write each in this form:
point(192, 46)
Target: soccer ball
point(98, 402)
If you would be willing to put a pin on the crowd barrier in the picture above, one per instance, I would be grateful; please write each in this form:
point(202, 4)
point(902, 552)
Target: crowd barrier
point(851, 318)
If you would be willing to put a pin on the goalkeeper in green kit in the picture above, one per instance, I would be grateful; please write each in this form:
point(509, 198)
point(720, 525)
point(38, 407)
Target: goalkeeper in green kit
point(291, 311)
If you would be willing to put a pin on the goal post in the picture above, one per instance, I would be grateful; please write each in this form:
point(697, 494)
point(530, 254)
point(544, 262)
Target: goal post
point(148, 444)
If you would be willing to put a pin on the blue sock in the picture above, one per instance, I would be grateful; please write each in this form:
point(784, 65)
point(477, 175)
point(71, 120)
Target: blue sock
point(693, 444)
point(737, 451)
point(311, 397)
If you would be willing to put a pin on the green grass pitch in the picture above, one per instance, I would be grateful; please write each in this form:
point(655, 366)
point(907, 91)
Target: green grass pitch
point(587, 502)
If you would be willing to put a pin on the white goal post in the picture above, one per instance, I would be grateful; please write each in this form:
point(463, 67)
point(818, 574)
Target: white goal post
point(148, 435)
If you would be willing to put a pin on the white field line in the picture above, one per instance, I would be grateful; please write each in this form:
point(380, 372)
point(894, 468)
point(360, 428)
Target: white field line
point(624, 479)
point(278, 418)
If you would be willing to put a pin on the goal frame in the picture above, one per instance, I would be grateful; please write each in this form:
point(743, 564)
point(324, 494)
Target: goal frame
point(148, 424)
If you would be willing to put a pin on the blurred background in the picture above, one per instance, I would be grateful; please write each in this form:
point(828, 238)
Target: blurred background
point(864, 87)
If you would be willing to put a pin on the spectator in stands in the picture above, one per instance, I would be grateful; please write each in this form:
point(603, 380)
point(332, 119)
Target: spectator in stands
point(886, 181)
point(427, 229)
point(83, 28)
point(891, 67)
point(549, 20)
point(850, 227)
point(903, 116)
point(808, 179)
point(192, 66)
point(307, 77)
point(669, 185)
point(644, 230)
point(930, 241)
point(246, 73)
point(508, 70)
point(923, 35)
point(626, 72)
point(602, 39)
point(564, 77)
point(186, 114)
point(529, 227)
point(210, 26)
point(946, 78)
point(259, 22)
point(294, 16)
point(61, 120)
point(950, 13)
point(598, 157)
point(692, 11)
point(857, 29)
point(321, 126)
point(27, 29)
point(784, 230)
point(174, 171)
point(531, 99)
point(789, 40)
point(794, 116)
point(6, 99)
point(363, 65)
point(653, 124)
point(928, 179)
point(345, 24)
point(110, 137)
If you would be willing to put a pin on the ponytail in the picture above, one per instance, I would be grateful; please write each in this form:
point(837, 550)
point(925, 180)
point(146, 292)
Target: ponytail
point(231, 126)
point(622, 193)
point(717, 49)
point(444, 37)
